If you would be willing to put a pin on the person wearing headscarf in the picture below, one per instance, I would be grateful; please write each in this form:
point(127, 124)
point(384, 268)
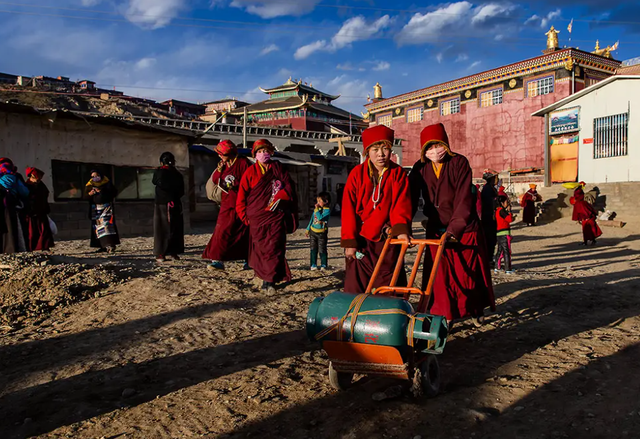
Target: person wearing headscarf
point(463, 285)
point(15, 198)
point(489, 197)
point(586, 215)
point(528, 204)
point(168, 221)
point(230, 240)
point(40, 237)
point(268, 204)
point(101, 194)
point(376, 205)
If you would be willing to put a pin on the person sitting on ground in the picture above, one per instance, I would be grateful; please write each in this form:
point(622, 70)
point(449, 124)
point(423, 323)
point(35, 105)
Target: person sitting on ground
point(318, 231)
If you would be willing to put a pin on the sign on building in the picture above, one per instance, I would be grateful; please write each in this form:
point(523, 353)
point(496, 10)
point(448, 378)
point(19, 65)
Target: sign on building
point(564, 121)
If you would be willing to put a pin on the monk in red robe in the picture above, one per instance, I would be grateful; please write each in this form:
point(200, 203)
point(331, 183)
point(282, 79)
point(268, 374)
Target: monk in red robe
point(528, 204)
point(376, 204)
point(586, 215)
point(40, 237)
point(230, 240)
point(463, 285)
point(267, 203)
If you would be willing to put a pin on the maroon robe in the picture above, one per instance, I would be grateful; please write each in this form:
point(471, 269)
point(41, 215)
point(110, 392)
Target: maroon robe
point(39, 233)
point(267, 228)
point(584, 213)
point(463, 285)
point(230, 239)
point(528, 205)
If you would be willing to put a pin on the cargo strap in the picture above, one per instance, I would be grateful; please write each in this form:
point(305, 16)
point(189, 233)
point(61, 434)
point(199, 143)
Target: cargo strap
point(354, 312)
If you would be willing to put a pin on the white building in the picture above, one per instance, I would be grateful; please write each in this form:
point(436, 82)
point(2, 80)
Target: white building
point(594, 134)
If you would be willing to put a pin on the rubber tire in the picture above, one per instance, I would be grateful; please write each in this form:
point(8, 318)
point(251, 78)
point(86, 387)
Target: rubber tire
point(430, 376)
point(339, 380)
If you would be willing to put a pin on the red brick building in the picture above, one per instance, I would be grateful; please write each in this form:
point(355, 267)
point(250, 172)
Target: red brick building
point(488, 115)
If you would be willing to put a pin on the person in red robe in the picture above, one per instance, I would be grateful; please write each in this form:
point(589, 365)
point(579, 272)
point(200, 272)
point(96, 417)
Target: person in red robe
point(376, 204)
point(40, 237)
point(230, 239)
point(463, 285)
point(586, 215)
point(528, 204)
point(267, 203)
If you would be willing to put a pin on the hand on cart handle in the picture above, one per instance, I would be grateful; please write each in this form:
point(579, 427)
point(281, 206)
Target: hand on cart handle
point(407, 238)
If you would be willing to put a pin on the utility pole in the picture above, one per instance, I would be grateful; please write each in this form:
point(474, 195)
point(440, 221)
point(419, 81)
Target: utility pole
point(244, 129)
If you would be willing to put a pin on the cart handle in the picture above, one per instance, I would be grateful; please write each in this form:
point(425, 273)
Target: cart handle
point(409, 289)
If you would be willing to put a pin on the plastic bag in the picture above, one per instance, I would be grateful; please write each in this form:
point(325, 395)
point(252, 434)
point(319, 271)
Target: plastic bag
point(52, 226)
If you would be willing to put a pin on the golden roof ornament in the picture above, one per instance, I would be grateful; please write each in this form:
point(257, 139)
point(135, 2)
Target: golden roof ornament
point(552, 39)
point(377, 91)
point(289, 81)
point(606, 52)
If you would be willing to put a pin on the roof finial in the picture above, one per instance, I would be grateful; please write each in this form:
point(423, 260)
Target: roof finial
point(377, 91)
point(552, 39)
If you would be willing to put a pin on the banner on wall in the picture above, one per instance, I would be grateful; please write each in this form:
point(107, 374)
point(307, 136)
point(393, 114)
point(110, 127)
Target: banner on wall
point(564, 121)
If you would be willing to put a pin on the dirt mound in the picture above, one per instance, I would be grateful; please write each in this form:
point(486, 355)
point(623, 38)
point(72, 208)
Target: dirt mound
point(32, 286)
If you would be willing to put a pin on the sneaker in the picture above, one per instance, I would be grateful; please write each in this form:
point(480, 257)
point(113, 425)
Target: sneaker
point(160, 259)
point(496, 271)
point(313, 268)
point(271, 290)
point(323, 268)
point(215, 265)
point(246, 266)
point(510, 272)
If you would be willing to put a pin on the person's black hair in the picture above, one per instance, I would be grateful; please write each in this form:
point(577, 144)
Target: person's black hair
point(502, 199)
point(325, 196)
point(167, 159)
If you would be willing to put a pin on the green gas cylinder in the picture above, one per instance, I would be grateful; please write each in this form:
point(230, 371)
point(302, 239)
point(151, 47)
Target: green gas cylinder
point(382, 320)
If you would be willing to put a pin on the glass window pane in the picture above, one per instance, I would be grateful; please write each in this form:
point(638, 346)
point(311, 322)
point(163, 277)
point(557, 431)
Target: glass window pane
point(146, 189)
point(67, 182)
point(126, 181)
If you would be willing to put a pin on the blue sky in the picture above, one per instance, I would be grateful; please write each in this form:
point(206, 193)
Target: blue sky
point(204, 50)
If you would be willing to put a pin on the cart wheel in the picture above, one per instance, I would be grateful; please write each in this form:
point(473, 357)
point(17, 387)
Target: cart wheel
point(426, 378)
point(339, 380)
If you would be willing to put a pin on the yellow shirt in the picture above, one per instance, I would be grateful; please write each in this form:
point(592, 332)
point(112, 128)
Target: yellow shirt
point(437, 168)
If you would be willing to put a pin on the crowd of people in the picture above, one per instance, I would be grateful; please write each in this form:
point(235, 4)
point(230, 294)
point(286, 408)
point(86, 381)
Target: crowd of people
point(259, 208)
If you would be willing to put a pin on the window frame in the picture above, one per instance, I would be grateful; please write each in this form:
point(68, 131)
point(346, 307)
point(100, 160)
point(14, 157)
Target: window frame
point(492, 99)
point(611, 138)
point(538, 80)
point(385, 115)
point(409, 110)
point(443, 102)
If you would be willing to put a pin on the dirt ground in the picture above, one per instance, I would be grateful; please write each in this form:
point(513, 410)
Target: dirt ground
point(177, 351)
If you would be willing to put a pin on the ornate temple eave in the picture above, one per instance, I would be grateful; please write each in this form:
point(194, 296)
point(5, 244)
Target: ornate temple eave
point(541, 63)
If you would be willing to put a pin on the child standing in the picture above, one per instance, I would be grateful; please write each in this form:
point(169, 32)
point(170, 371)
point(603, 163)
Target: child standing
point(504, 218)
point(318, 231)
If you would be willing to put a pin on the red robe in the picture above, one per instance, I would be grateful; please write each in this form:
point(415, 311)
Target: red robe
point(463, 284)
point(268, 234)
point(528, 204)
point(230, 240)
point(363, 223)
point(586, 215)
point(36, 218)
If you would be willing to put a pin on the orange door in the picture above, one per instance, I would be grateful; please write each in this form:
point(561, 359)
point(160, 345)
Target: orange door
point(564, 162)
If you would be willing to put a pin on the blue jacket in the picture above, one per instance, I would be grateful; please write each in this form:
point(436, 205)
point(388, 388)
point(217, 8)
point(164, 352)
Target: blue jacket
point(15, 187)
point(319, 221)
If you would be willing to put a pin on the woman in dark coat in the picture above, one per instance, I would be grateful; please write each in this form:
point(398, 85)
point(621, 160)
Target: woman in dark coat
point(463, 285)
point(168, 223)
point(101, 194)
point(489, 196)
point(36, 216)
point(15, 197)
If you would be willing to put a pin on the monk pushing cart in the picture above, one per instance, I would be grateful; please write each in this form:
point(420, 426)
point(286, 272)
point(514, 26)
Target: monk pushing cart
point(379, 332)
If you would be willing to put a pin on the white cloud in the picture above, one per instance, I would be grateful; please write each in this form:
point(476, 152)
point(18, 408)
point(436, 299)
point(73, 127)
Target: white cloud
point(145, 63)
point(274, 8)
point(153, 14)
point(90, 3)
point(354, 92)
point(462, 57)
point(354, 29)
point(543, 22)
point(270, 48)
point(477, 21)
point(439, 57)
point(381, 65)
point(474, 65)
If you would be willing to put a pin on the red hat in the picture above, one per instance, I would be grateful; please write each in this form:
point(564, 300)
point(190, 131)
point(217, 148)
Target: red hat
point(433, 133)
point(36, 171)
point(226, 147)
point(262, 143)
point(377, 134)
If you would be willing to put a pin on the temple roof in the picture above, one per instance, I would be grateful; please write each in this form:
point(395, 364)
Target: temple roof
point(528, 66)
point(292, 103)
point(292, 85)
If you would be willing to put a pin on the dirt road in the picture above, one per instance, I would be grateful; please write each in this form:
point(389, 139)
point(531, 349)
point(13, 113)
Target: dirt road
point(179, 351)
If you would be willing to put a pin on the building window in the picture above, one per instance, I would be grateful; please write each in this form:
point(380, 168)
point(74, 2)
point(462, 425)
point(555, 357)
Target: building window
point(385, 119)
point(132, 183)
point(611, 136)
point(491, 98)
point(415, 114)
point(450, 107)
point(539, 87)
point(589, 81)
